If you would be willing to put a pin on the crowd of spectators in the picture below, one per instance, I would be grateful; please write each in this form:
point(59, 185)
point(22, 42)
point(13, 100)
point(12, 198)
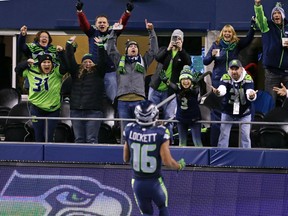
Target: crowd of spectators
point(106, 73)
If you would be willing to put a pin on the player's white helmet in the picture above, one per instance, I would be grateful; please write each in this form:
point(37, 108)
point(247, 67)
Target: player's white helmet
point(146, 113)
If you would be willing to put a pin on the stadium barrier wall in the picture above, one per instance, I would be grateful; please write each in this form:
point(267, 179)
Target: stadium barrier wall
point(88, 189)
point(268, 158)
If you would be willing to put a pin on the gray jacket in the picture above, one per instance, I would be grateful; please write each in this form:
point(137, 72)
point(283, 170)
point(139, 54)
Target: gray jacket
point(132, 82)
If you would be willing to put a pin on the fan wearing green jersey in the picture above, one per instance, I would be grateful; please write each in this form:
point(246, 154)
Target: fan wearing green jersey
point(44, 91)
point(42, 44)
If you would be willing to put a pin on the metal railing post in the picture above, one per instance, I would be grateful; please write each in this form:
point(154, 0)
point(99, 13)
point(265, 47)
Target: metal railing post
point(239, 135)
point(46, 130)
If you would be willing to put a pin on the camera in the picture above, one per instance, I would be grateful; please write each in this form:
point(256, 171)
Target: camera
point(174, 38)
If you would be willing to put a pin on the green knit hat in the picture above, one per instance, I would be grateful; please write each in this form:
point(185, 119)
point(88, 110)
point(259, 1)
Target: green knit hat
point(186, 73)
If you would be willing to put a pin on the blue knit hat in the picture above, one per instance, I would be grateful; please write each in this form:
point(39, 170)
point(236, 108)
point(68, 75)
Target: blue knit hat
point(87, 56)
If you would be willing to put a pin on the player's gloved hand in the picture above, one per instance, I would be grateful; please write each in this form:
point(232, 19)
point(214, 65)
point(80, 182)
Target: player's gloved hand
point(79, 5)
point(129, 6)
point(253, 23)
point(182, 164)
point(163, 76)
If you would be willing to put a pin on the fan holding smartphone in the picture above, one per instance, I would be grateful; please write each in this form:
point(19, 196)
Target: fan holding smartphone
point(172, 60)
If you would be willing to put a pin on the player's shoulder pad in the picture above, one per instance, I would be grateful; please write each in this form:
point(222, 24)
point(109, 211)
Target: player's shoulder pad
point(130, 124)
point(164, 129)
point(161, 126)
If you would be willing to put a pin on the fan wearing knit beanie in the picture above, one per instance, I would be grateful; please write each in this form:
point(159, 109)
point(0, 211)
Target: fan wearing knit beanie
point(87, 56)
point(188, 111)
point(87, 62)
point(186, 73)
point(278, 14)
point(177, 39)
point(133, 52)
point(275, 46)
point(45, 63)
point(87, 92)
point(44, 98)
point(131, 71)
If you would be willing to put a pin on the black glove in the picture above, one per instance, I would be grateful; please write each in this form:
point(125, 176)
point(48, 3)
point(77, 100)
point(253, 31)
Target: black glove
point(195, 78)
point(253, 23)
point(129, 6)
point(79, 5)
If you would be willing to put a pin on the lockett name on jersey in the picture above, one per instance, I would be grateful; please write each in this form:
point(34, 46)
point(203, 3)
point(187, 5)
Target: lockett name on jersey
point(146, 138)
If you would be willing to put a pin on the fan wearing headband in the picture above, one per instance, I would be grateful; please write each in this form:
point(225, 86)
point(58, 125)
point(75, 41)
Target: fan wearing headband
point(146, 146)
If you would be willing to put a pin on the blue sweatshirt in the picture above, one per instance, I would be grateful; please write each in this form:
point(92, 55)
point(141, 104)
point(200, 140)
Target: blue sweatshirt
point(275, 56)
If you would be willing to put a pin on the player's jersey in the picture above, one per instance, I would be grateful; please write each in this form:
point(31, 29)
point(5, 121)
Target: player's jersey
point(144, 144)
point(44, 89)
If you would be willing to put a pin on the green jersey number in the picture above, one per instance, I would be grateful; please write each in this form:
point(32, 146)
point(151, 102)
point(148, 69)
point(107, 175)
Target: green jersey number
point(141, 160)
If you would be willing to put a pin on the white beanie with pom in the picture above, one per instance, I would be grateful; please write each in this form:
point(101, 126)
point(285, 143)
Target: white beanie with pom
point(278, 7)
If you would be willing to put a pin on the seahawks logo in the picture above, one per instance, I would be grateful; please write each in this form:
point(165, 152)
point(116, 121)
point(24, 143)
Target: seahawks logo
point(56, 195)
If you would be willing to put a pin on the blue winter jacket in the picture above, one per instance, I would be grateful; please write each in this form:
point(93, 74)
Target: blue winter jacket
point(221, 62)
point(275, 56)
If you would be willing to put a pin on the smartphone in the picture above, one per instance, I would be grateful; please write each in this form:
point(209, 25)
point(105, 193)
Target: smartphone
point(174, 38)
point(117, 27)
